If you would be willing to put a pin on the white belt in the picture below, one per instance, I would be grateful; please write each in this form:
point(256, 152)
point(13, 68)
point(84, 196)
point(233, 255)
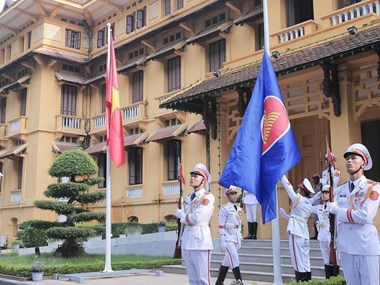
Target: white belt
point(324, 225)
point(231, 226)
point(199, 224)
point(302, 220)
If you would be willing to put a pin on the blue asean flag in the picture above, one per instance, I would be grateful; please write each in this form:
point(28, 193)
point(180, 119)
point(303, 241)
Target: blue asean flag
point(265, 147)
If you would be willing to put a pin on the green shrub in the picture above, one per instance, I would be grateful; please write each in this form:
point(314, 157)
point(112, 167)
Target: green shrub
point(337, 280)
point(171, 226)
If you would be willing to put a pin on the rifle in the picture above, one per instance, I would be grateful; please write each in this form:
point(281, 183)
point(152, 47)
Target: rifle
point(332, 269)
point(181, 179)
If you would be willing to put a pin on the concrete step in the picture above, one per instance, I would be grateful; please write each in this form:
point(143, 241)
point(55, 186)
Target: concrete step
point(265, 258)
point(256, 261)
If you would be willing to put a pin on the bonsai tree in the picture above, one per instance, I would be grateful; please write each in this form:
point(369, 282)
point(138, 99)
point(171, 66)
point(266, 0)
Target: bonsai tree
point(75, 170)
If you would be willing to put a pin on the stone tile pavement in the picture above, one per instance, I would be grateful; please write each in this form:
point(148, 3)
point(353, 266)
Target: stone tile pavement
point(142, 278)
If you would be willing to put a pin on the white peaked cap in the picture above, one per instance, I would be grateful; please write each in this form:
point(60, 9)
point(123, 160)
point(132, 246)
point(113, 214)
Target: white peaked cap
point(325, 188)
point(362, 151)
point(201, 169)
point(231, 189)
point(306, 185)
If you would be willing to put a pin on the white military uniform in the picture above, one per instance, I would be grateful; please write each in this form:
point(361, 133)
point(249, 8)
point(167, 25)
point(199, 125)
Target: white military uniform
point(325, 179)
point(230, 227)
point(196, 241)
point(250, 202)
point(297, 228)
point(323, 227)
point(357, 237)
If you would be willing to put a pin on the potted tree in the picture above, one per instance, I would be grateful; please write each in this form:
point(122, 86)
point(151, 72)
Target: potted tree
point(17, 243)
point(37, 273)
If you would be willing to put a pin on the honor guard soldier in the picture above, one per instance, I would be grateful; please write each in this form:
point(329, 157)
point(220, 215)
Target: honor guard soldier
point(196, 239)
point(230, 237)
point(335, 173)
point(299, 243)
point(250, 206)
point(323, 225)
point(356, 204)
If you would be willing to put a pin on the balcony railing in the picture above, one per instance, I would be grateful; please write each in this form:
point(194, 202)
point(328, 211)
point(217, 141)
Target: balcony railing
point(355, 11)
point(170, 188)
point(17, 127)
point(295, 32)
point(136, 192)
point(133, 113)
point(69, 124)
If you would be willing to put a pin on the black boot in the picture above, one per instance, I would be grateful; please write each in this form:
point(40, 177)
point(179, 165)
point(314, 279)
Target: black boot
point(308, 276)
point(316, 232)
point(249, 236)
point(237, 274)
point(254, 230)
point(301, 276)
point(331, 270)
point(221, 275)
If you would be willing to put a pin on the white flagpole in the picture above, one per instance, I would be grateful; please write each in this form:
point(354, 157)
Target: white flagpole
point(275, 223)
point(107, 266)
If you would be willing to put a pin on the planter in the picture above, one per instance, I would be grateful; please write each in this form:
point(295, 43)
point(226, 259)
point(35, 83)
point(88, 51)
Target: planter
point(37, 276)
point(161, 229)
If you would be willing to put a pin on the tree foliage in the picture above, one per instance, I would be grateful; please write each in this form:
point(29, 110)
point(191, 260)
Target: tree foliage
point(75, 172)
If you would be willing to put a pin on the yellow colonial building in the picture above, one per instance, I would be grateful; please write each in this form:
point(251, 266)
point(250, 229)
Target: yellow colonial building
point(186, 72)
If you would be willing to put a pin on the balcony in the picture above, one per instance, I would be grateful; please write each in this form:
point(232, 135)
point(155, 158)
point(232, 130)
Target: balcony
point(17, 127)
point(353, 12)
point(69, 125)
point(170, 188)
point(294, 32)
point(132, 114)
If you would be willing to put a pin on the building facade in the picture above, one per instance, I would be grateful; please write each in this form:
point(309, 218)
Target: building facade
point(186, 71)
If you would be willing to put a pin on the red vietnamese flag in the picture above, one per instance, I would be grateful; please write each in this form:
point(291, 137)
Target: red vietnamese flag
point(115, 136)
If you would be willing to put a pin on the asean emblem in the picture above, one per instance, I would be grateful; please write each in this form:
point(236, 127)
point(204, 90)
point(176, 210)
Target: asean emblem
point(275, 123)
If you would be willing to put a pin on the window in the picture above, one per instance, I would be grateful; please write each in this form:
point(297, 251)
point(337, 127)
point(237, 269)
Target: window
point(102, 164)
point(215, 20)
point(135, 164)
point(174, 74)
point(71, 68)
point(130, 23)
point(68, 100)
point(217, 55)
point(141, 18)
point(167, 8)
point(72, 39)
point(28, 40)
point(179, 4)
point(20, 164)
point(23, 102)
point(21, 44)
point(3, 109)
point(138, 84)
point(260, 37)
point(173, 158)
point(345, 3)
point(299, 11)
point(101, 37)
point(103, 98)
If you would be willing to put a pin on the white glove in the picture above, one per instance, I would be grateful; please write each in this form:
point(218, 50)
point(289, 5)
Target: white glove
point(284, 214)
point(284, 181)
point(332, 207)
point(223, 243)
point(180, 213)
